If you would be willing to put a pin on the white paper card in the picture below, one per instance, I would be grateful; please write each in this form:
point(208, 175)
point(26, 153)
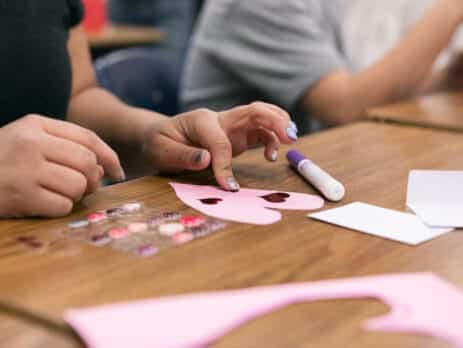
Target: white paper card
point(380, 222)
point(436, 197)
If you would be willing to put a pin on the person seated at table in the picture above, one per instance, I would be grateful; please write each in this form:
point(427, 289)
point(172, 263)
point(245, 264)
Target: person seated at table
point(47, 165)
point(292, 53)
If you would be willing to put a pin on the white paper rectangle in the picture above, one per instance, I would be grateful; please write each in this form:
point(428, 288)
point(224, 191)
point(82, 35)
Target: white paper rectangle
point(436, 197)
point(380, 222)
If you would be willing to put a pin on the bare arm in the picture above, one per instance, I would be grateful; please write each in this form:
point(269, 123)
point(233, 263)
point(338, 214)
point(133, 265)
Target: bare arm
point(146, 140)
point(94, 108)
point(343, 97)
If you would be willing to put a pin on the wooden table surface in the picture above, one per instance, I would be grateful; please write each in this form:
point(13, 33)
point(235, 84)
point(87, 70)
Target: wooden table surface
point(372, 160)
point(441, 111)
point(124, 36)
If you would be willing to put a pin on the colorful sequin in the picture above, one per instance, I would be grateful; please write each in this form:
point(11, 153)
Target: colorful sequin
point(192, 221)
point(171, 229)
point(135, 229)
point(78, 224)
point(97, 217)
point(118, 232)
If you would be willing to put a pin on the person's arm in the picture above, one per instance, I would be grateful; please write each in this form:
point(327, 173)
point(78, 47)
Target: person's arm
point(343, 97)
point(191, 141)
point(95, 108)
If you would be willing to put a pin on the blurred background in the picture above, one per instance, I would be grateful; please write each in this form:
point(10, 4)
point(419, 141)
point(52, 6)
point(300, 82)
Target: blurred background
point(139, 46)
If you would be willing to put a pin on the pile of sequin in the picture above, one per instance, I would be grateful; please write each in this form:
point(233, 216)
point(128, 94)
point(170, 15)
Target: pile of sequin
point(144, 232)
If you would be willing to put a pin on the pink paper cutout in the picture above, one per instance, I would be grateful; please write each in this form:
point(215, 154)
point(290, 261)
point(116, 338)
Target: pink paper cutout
point(245, 206)
point(421, 303)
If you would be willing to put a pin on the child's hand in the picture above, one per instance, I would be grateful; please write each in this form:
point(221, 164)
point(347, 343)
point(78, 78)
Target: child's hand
point(47, 165)
point(196, 140)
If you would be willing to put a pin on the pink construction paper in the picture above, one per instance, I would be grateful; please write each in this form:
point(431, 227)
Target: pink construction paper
point(247, 206)
point(420, 303)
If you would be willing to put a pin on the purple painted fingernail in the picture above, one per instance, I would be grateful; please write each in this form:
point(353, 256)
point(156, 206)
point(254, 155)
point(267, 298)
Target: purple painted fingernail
point(233, 184)
point(292, 133)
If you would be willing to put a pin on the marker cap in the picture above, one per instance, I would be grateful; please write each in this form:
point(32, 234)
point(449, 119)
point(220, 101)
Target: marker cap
point(295, 157)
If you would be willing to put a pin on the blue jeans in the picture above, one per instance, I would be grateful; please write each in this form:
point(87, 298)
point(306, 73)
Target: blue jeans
point(175, 17)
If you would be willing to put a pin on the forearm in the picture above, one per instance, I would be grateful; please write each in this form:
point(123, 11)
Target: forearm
point(115, 122)
point(402, 73)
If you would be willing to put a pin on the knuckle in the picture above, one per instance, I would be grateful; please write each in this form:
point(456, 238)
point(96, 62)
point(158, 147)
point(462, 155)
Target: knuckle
point(26, 140)
point(257, 107)
point(32, 118)
point(222, 146)
point(89, 161)
point(92, 138)
point(205, 113)
point(202, 111)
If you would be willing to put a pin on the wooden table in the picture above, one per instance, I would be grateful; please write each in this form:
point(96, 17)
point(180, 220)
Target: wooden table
point(441, 111)
point(123, 36)
point(371, 159)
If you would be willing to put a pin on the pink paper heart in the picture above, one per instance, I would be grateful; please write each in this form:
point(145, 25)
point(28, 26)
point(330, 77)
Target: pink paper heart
point(247, 206)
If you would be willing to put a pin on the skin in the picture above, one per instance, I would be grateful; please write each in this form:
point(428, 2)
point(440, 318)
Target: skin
point(342, 97)
point(61, 162)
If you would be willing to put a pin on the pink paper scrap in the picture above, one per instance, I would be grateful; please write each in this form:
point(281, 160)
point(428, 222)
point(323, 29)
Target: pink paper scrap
point(420, 303)
point(246, 206)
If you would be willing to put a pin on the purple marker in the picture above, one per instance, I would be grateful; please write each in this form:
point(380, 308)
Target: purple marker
point(325, 183)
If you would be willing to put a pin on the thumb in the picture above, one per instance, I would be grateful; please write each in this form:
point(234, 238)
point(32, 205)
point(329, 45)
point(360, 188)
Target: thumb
point(170, 155)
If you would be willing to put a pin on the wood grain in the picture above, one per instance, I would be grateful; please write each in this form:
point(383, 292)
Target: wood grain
point(372, 160)
point(16, 333)
point(442, 111)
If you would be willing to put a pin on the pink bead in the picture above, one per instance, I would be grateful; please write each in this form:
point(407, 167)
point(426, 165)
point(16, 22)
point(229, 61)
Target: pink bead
point(97, 217)
point(192, 221)
point(118, 232)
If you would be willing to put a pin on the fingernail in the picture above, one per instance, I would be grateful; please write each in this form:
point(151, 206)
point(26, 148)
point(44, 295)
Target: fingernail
point(233, 185)
point(123, 176)
point(199, 157)
point(274, 155)
point(292, 133)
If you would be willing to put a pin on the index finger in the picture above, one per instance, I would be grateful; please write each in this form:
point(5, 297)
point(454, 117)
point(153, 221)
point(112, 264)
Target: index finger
point(260, 115)
point(213, 138)
point(106, 156)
